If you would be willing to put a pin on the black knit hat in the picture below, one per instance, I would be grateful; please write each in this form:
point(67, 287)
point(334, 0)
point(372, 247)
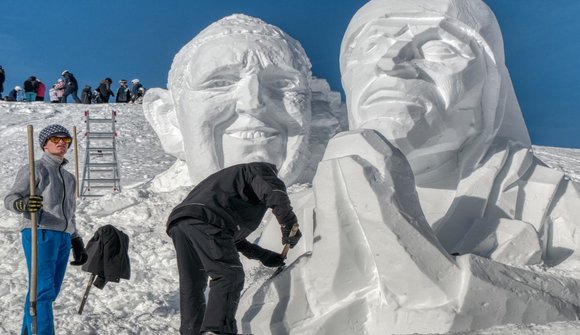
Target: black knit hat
point(52, 130)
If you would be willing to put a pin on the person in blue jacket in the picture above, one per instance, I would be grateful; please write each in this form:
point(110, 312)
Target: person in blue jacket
point(55, 206)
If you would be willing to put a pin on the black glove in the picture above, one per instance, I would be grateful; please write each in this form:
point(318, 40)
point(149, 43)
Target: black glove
point(79, 252)
point(253, 251)
point(286, 238)
point(30, 203)
point(271, 259)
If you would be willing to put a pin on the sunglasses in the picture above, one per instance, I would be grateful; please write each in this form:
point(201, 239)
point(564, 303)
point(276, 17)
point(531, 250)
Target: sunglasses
point(55, 139)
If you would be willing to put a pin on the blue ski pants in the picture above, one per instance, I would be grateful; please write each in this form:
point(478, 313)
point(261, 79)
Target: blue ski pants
point(53, 253)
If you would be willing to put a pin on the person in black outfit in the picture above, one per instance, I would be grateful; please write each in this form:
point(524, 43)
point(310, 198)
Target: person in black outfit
point(123, 93)
point(71, 87)
point(30, 88)
point(208, 230)
point(2, 78)
point(104, 90)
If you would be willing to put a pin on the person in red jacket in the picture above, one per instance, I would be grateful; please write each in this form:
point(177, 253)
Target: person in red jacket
point(40, 90)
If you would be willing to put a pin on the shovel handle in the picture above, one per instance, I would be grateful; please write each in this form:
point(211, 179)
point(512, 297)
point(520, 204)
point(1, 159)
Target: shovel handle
point(293, 232)
point(86, 295)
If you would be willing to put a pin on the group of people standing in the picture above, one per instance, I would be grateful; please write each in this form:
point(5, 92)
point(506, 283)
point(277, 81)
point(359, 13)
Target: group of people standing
point(34, 89)
point(103, 93)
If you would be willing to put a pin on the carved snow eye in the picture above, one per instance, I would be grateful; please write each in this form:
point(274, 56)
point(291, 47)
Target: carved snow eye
point(377, 46)
point(282, 83)
point(438, 51)
point(220, 82)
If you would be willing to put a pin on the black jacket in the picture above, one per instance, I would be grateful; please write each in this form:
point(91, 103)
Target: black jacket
point(30, 85)
point(70, 81)
point(123, 94)
point(236, 198)
point(105, 91)
point(108, 256)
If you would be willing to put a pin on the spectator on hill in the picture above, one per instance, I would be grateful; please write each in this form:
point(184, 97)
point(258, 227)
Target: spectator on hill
point(87, 95)
point(71, 87)
point(30, 87)
point(136, 84)
point(123, 93)
point(56, 91)
point(2, 78)
point(40, 90)
point(104, 90)
point(16, 94)
point(138, 99)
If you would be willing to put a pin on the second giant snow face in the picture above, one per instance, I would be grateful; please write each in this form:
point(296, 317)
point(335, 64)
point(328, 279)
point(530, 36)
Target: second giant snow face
point(418, 82)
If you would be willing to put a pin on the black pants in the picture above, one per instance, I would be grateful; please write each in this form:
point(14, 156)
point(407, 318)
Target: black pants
point(204, 250)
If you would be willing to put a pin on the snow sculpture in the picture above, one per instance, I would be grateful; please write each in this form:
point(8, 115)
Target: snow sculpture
point(238, 92)
point(430, 76)
point(374, 265)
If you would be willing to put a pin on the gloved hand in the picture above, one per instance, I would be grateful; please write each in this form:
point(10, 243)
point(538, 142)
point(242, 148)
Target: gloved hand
point(286, 232)
point(30, 203)
point(271, 259)
point(79, 252)
point(253, 251)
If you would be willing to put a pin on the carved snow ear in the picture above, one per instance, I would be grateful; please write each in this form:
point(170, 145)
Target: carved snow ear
point(160, 113)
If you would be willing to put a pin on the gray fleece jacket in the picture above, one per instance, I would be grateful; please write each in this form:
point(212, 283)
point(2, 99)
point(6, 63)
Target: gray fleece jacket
point(57, 186)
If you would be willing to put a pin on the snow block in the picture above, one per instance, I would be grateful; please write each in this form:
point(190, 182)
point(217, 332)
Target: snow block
point(506, 241)
point(495, 294)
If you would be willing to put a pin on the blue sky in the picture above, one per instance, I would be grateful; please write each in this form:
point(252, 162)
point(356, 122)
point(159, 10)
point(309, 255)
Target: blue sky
point(138, 39)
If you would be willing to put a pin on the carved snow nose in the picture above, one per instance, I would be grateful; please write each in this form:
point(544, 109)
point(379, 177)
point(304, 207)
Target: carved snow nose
point(396, 62)
point(249, 94)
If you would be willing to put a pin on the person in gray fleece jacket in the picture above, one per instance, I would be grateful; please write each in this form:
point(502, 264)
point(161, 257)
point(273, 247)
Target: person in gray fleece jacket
point(55, 206)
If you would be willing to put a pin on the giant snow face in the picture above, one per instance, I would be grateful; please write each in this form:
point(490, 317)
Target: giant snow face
point(244, 97)
point(420, 83)
point(238, 92)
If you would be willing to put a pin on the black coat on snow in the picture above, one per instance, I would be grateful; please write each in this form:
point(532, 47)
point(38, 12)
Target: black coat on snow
point(236, 198)
point(108, 256)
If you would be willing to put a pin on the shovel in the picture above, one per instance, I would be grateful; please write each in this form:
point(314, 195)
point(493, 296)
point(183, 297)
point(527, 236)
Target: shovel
point(284, 252)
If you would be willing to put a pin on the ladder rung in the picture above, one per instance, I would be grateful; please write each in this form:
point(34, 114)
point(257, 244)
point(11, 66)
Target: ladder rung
point(99, 134)
point(112, 164)
point(101, 149)
point(101, 180)
point(101, 120)
point(99, 154)
point(104, 186)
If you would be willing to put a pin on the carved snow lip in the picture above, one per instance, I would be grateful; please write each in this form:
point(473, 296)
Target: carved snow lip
point(395, 98)
point(253, 133)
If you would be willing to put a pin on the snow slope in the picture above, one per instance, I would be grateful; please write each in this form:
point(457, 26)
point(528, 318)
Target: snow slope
point(148, 302)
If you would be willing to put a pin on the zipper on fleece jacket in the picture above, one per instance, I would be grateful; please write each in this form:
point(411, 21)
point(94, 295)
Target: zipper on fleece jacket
point(63, 196)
